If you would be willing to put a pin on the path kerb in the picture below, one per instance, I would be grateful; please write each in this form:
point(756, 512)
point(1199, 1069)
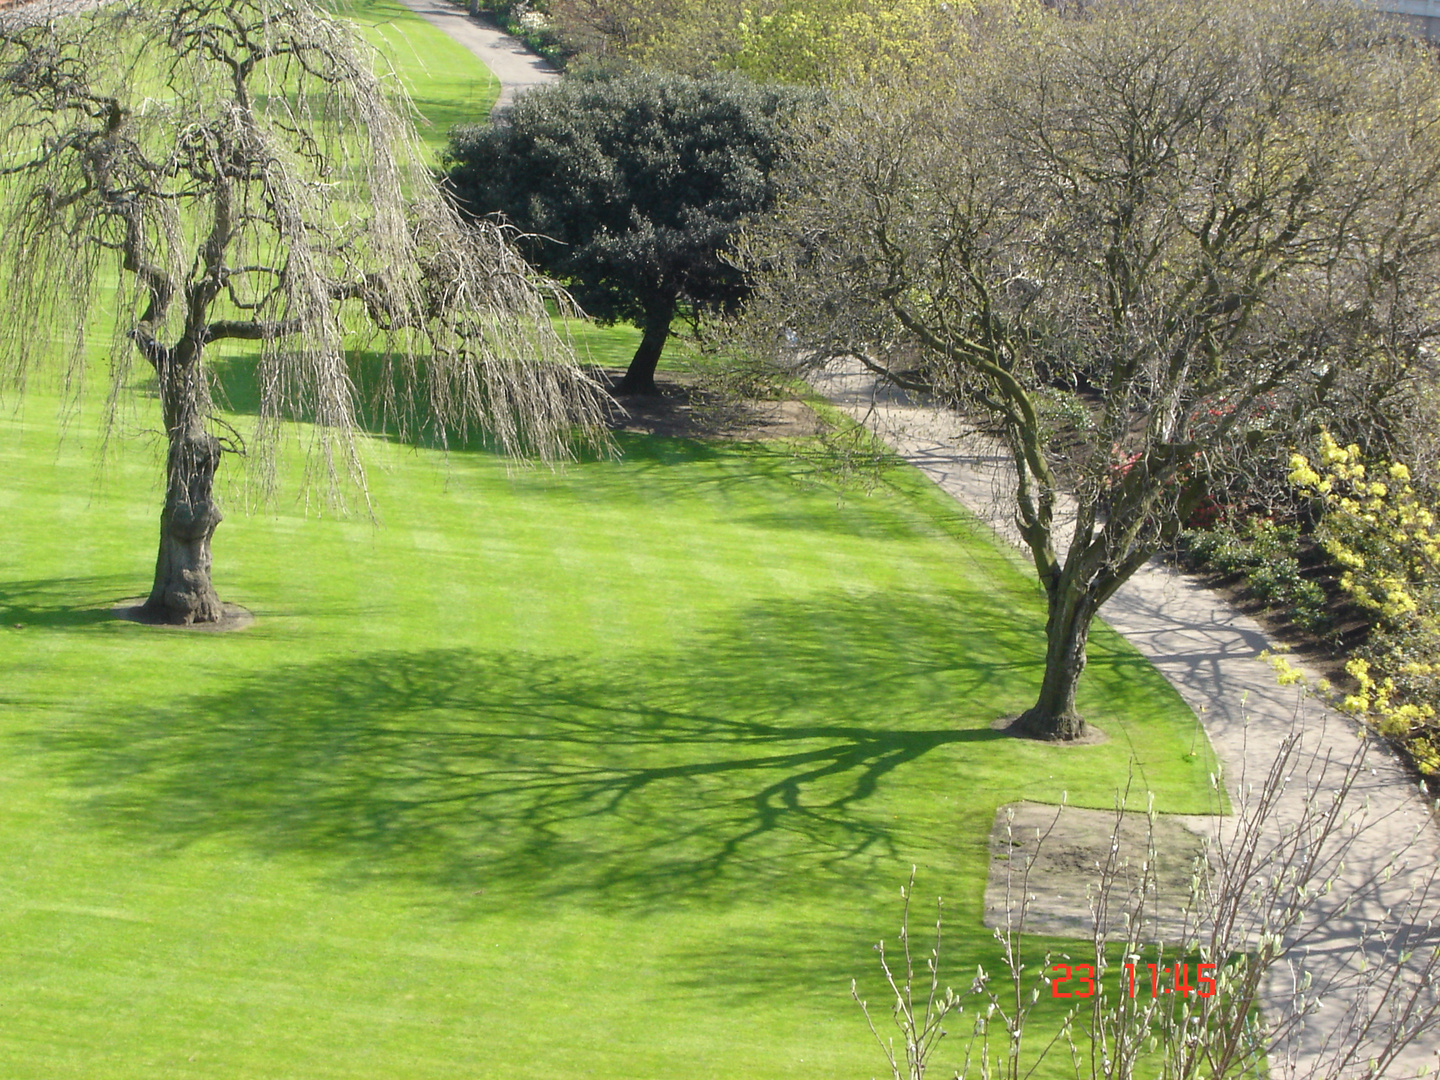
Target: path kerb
point(1210, 652)
point(517, 68)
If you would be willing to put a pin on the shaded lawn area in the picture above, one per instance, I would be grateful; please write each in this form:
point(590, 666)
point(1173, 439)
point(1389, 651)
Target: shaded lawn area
point(614, 772)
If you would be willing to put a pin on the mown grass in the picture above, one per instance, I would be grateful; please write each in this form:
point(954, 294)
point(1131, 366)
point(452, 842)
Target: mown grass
point(614, 346)
point(446, 83)
point(610, 772)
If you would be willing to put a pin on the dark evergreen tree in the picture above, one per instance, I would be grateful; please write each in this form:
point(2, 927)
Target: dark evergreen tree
point(628, 189)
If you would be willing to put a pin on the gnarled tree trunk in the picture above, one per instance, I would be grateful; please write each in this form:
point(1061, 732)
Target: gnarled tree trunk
point(182, 593)
point(1067, 629)
point(640, 377)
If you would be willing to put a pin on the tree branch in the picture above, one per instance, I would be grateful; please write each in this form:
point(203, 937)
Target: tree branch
point(252, 329)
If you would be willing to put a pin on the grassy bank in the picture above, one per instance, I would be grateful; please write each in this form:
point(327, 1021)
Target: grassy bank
point(612, 772)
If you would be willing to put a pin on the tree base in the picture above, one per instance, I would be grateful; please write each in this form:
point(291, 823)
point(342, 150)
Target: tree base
point(1066, 728)
point(628, 387)
point(138, 610)
point(193, 611)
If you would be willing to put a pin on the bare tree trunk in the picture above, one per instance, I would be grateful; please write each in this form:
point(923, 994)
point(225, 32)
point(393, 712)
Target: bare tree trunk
point(1067, 629)
point(640, 377)
point(182, 593)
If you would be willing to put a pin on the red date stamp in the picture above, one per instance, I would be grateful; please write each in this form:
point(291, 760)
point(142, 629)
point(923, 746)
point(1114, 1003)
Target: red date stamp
point(1174, 979)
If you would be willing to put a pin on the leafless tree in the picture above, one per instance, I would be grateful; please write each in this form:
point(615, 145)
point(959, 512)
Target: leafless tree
point(1146, 245)
point(236, 170)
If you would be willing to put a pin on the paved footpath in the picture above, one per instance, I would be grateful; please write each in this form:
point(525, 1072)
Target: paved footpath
point(1205, 647)
point(1209, 651)
point(512, 63)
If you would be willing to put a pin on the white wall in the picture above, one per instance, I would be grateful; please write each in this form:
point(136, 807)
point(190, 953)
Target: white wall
point(1423, 14)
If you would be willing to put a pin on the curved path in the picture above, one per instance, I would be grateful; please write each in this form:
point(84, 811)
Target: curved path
point(512, 63)
point(1209, 651)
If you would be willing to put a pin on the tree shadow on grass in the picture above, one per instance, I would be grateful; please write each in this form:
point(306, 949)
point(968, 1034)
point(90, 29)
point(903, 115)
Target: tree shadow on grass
point(235, 385)
point(52, 604)
point(744, 765)
point(236, 388)
point(388, 404)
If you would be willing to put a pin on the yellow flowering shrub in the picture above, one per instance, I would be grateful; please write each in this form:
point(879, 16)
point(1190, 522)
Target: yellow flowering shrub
point(825, 42)
point(1381, 531)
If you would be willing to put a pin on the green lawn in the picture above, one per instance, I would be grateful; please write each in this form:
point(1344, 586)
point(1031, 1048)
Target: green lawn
point(614, 346)
point(446, 83)
point(613, 772)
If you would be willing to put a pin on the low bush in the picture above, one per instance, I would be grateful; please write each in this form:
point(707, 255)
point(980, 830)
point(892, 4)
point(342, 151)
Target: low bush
point(1265, 553)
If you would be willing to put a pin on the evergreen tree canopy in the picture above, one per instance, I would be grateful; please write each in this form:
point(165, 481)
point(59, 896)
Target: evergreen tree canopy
point(629, 188)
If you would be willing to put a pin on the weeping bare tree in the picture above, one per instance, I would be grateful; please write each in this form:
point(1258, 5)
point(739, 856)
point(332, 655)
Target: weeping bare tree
point(236, 170)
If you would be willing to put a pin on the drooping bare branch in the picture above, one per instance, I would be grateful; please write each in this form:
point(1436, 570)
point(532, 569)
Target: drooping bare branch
point(238, 167)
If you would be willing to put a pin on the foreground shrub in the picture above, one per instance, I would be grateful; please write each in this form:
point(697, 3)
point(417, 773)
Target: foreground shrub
point(1252, 934)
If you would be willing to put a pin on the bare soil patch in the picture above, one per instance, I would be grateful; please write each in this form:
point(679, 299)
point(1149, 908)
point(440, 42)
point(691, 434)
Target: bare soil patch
point(686, 409)
point(235, 617)
point(1046, 866)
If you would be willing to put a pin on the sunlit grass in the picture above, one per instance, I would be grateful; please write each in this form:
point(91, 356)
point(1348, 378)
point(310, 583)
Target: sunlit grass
point(656, 738)
point(613, 346)
point(608, 772)
point(446, 83)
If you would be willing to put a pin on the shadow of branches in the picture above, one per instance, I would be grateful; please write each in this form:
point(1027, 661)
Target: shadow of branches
point(63, 603)
point(739, 765)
